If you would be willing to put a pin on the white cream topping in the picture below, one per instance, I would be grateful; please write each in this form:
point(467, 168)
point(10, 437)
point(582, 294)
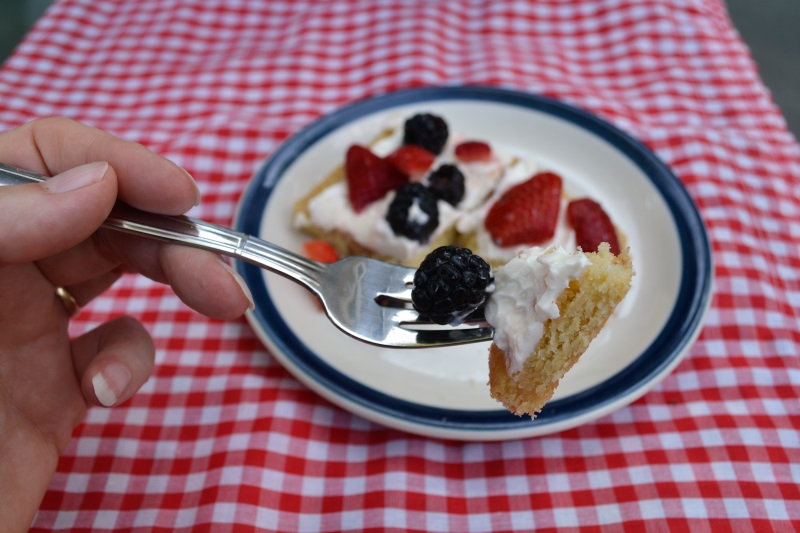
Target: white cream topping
point(417, 215)
point(524, 296)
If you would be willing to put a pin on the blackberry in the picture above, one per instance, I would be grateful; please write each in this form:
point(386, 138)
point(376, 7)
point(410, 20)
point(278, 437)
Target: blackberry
point(413, 212)
point(447, 183)
point(450, 284)
point(427, 131)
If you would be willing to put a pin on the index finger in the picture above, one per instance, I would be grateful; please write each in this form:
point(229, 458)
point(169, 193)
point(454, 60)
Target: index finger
point(145, 179)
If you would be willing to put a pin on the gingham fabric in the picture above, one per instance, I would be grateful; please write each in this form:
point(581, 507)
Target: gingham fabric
point(222, 438)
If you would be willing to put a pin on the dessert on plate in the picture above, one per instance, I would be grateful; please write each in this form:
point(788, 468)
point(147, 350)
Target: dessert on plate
point(486, 228)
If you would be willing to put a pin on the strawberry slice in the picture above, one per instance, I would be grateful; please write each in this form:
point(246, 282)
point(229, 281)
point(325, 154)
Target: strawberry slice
point(321, 251)
point(526, 213)
point(473, 152)
point(592, 225)
point(411, 160)
point(369, 177)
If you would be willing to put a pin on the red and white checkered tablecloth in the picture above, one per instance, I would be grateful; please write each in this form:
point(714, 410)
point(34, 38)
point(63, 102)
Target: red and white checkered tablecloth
point(223, 438)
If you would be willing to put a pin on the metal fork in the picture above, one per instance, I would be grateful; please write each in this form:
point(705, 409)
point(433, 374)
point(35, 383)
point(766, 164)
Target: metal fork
point(365, 298)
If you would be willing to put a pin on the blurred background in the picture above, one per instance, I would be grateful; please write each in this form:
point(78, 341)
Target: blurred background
point(769, 27)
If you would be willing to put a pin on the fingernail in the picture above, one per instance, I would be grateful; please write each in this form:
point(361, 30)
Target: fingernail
point(110, 383)
point(197, 196)
point(238, 279)
point(76, 178)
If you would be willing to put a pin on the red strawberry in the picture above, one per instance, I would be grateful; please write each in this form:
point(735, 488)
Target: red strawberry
point(369, 177)
point(526, 213)
point(592, 225)
point(321, 251)
point(473, 151)
point(411, 160)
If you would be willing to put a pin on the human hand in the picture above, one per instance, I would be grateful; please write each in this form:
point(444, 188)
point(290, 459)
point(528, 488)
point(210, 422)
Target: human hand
point(49, 238)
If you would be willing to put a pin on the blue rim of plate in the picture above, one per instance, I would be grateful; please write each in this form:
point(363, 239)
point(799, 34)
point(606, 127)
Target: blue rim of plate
point(670, 344)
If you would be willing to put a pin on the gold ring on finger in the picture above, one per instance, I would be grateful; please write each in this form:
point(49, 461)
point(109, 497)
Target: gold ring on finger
point(68, 301)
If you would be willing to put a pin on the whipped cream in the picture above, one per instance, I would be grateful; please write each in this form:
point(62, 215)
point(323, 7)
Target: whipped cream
point(524, 298)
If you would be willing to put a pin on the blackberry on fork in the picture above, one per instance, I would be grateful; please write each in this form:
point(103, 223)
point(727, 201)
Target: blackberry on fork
point(450, 284)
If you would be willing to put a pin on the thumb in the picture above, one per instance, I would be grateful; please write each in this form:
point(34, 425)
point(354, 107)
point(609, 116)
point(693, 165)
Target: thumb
point(41, 219)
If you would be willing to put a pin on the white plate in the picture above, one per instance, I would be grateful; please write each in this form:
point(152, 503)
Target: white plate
point(443, 392)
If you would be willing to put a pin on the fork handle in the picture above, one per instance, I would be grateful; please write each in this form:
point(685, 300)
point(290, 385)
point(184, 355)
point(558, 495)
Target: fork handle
point(193, 232)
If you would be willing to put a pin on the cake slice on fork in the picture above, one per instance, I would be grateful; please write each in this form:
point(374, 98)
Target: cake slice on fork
point(547, 306)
